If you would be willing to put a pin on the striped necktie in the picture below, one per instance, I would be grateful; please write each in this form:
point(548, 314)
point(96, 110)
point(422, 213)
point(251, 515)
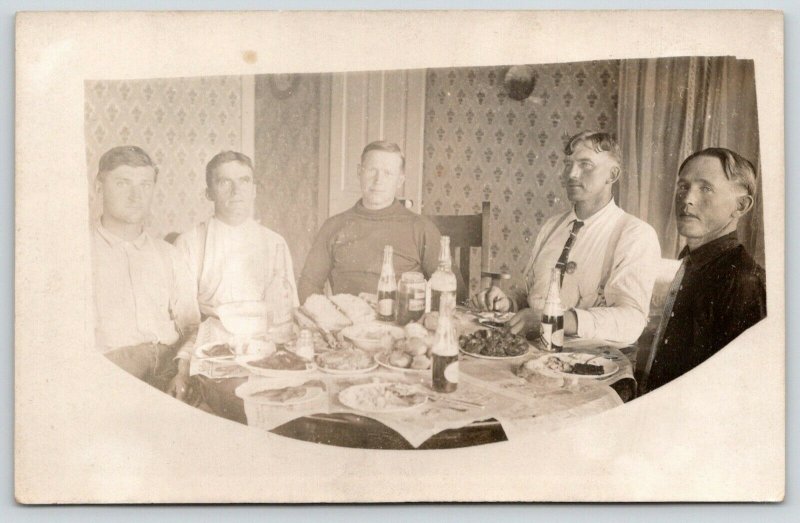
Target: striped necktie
point(561, 264)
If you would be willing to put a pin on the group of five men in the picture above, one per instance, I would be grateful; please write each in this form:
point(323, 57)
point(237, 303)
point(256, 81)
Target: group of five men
point(150, 296)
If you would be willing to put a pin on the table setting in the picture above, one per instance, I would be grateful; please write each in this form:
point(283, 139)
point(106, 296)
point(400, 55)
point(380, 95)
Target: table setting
point(369, 375)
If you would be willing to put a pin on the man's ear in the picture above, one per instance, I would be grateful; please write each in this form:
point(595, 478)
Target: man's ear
point(615, 172)
point(744, 203)
point(401, 180)
point(208, 194)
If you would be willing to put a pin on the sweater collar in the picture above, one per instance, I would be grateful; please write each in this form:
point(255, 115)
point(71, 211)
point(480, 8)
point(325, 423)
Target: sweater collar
point(395, 208)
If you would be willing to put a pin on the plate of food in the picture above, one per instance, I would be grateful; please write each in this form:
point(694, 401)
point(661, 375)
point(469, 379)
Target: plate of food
point(382, 397)
point(571, 364)
point(493, 344)
point(268, 394)
point(325, 313)
point(216, 350)
point(373, 335)
point(408, 355)
point(279, 363)
point(356, 309)
point(346, 361)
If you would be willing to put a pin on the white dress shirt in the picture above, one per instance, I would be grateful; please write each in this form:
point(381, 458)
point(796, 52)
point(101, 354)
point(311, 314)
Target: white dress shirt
point(143, 292)
point(618, 310)
point(233, 263)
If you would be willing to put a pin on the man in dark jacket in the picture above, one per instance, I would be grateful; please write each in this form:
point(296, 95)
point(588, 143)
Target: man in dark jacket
point(719, 290)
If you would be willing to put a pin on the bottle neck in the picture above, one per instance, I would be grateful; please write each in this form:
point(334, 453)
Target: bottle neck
point(554, 292)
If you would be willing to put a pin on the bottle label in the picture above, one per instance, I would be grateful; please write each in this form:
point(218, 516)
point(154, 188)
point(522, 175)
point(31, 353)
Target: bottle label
point(557, 339)
point(451, 372)
point(416, 301)
point(386, 307)
point(547, 335)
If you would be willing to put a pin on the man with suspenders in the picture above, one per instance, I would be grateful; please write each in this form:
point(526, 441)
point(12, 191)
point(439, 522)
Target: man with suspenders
point(606, 256)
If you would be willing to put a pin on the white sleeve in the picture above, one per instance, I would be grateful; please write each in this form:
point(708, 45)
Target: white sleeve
point(628, 289)
point(290, 272)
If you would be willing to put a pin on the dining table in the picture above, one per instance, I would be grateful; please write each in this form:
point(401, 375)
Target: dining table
point(494, 400)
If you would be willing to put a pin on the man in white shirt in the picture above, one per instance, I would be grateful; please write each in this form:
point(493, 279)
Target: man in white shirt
point(606, 257)
point(231, 256)
point(145, 306)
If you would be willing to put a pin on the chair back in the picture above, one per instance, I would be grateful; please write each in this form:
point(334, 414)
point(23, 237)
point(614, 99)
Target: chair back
point(466, 231)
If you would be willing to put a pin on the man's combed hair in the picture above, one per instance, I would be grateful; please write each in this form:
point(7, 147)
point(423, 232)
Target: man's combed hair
point(223, 158)
point(599, 142)
point(129, 155)
point(383, 145)
point(738, 169)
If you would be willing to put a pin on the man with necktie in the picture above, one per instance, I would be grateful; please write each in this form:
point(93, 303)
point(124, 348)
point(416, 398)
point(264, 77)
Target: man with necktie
point(606, 256)
point(719, 290)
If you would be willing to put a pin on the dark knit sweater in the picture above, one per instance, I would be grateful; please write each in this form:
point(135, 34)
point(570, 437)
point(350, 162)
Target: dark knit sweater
point(348, 249)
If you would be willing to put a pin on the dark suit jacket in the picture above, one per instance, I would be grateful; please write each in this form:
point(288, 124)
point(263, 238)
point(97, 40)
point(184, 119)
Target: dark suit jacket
point(722, 294)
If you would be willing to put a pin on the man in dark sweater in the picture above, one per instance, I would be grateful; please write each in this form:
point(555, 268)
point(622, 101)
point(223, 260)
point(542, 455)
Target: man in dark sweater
point(348, 250)
point(719, 290)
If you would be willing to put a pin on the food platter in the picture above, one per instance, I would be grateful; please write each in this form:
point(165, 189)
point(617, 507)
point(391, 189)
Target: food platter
point(493, 345)
point(382, 359)
point(373, 335)
point(214, 351)
point(337, 362)
point(485, 357)
point(547, 366)
point(382, 397)
point(250, 362)
point(288, 395)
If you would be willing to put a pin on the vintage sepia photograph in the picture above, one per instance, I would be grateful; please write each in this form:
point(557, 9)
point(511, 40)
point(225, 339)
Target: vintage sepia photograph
point(432, 258)
point(425, 258)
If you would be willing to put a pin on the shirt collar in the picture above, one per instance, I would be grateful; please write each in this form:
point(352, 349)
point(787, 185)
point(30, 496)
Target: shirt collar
point(113, 240)
point(607, 210)
point(241, 227)
point(708, 251)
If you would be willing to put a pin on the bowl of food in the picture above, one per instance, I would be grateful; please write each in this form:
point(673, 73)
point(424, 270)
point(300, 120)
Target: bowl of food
point(244, 318)
point(373, 336)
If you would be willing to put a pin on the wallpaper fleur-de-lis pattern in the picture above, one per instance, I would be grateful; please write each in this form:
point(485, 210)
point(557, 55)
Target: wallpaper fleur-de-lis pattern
point(180, 122)
point(481, 145)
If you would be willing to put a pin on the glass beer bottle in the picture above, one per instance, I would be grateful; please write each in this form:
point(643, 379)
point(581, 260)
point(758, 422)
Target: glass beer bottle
point(444, 352)
point(553, 315)
point(443, 281)
point(387, 287)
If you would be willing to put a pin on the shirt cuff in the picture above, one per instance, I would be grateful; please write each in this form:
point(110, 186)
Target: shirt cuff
point(586, 326)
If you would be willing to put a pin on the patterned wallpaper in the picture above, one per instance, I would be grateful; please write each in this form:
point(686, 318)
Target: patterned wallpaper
point(287, 161)
point(180, 122)
point(481, 145)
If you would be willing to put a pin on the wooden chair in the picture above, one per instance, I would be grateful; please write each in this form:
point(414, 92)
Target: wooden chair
point(466, 231)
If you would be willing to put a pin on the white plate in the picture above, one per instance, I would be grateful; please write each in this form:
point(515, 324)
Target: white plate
point(246, 391)
point(481, 356)
point(244, 361)
point(199, 352)
point(349, 398)
point(539, 365)
point(373, 335)
point(383, 360)
point(340, 372)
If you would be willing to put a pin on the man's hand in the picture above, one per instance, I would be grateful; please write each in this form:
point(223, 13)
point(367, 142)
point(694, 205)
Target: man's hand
point(491, 299)
point(525, 321)
point(179, 386)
